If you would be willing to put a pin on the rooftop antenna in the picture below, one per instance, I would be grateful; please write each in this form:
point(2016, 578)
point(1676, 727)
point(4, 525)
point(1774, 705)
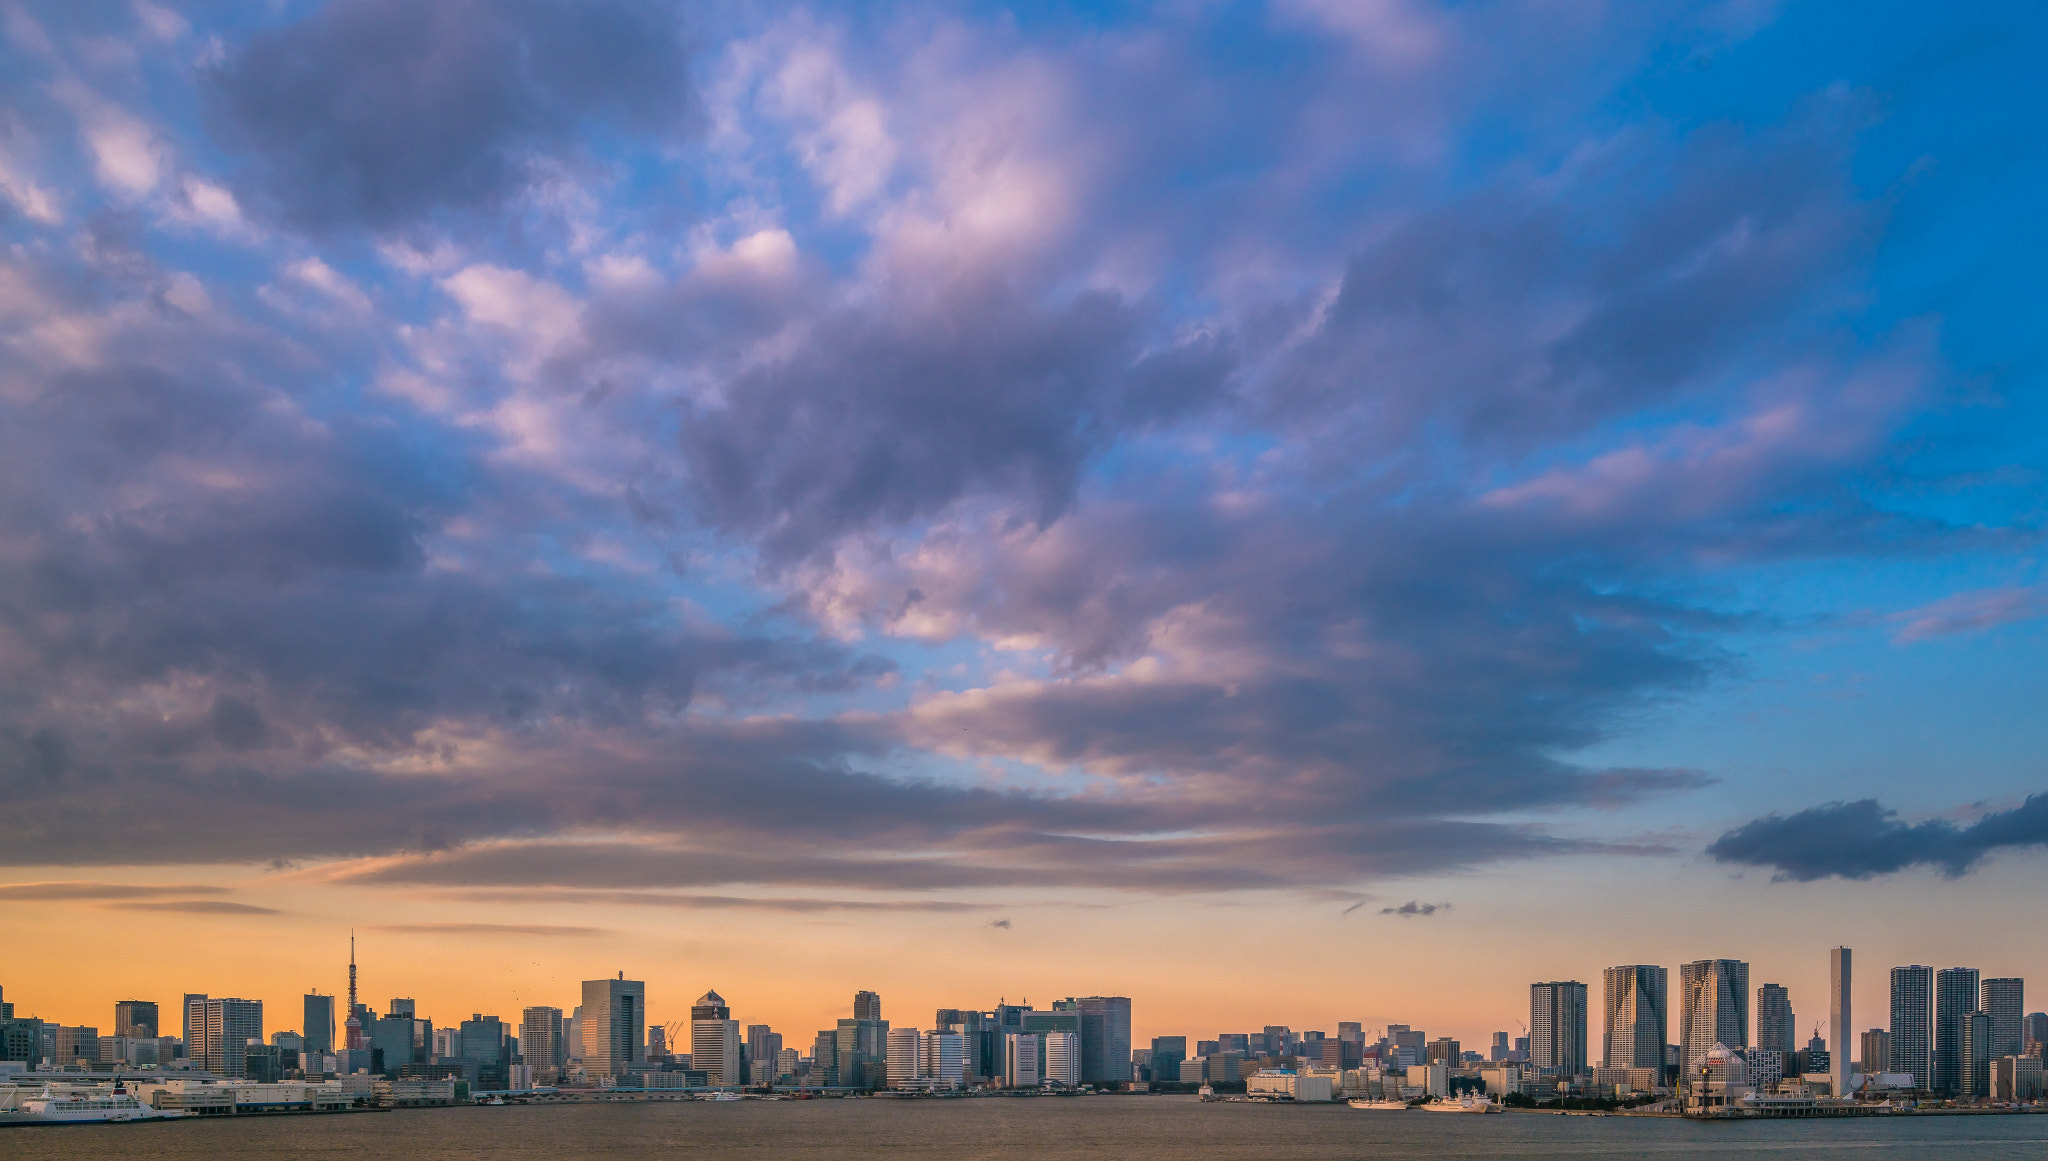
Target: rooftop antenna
point(351, 969)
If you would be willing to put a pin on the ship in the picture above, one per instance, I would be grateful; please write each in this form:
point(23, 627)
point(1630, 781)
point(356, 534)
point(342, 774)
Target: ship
point(1378, 1106)
point(77, 1108)
point(1465, 1104)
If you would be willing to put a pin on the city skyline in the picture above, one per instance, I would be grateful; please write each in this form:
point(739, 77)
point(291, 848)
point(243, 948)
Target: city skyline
point(996, 501)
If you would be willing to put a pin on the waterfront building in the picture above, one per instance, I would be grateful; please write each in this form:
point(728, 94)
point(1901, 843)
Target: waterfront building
point(1776, 1027)
point(487, 1048)
point(906, 1052)
point(540, 1043)
point(1020, 1060)
point(1768, 1066)
point(2016, 1078)
point(1876, 1054)
point(609, 1027)
point(764, 1047)
point(944, 1058)
point(1840, 1017)
point(1713, 1011)
point(1955, 996)
point(715, 1041)
point(1973, 1055)
point(1063, 1051)
point(225, 1027)
point(137, 1019)
point(1557, 1027)
point(1636, 1019)
point(2004, 1000)
point(1105, 1038)
point(1167, 1053)
point(1912, 1025)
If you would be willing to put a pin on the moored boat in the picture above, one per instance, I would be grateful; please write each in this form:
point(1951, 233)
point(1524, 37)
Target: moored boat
point(1465, 1104)
point(1378, 1106)
point(80, 1108)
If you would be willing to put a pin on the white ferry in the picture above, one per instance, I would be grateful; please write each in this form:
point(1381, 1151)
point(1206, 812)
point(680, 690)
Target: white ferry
point(1378, 1106)
point(1465, 1104)
point(76, 1108)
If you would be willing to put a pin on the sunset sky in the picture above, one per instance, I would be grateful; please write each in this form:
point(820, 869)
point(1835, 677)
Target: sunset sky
point(1332, 509)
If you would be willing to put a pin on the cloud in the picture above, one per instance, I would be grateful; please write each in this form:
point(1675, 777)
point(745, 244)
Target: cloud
point(378, 112)
point(82, 890)
point(1412, 909)
point(1971, 612)
point(1863, 839)
point(536, 929)
point(1002, 924)
point(195, 907)
point(574, 897)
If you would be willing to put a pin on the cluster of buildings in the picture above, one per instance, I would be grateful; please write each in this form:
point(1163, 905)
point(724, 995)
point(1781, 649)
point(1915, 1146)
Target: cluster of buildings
point(606, 1041)
point(1951, 1034)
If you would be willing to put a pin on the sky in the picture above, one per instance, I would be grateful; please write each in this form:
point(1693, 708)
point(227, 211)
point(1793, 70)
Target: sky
point(1292, 513)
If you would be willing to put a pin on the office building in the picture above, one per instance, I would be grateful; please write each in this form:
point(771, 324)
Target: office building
point(2034, 1034)
point(1106, 1037)
point(1841, 1038)
point(487, 1046)
point(1636, 1020)
point(2005, 1001)
point(945, 1058)
point(1768, 1066)
point(1956, 994)
point(788, 1065)
point(906, 1057)
point(225, 1027)
point(609, 1027)
point(1713, 1009)
point(714, 1040)
point(1557, 1028)
point(397, 1041)
point(1167, 1053)
point(1063, 1052)
point(1020, 1059)
point(72, 1046)
point(1444, 1050)
point(540, 1043)
point(1500, 1050)
point(1912, 1025)
point(764, 1045)
point(1875, 1053)
point(1776, 1027)
point(193, 1009)
point(862, 1047)
point(1973, 1055)
point(867, 1006)
point(318, 1025)
point(137, 1019)
point(2016, 1078)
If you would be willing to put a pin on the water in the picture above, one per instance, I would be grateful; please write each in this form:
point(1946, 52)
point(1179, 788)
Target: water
point(1122, 1128)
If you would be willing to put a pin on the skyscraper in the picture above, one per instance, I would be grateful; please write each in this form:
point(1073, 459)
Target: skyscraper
point(540, 1043)
point(867, 1005)
point(611, 1026)
point(1105, 1037)
point(906, 1056)
point(1913, 1023)
point(194, 1009)
point(945, 1058)
point(226, 1027)
point(1841, 1043)
point(1877, 1052)
point(486, 1044)
point(1973, 1054)
point(1063, 1052)
point(2005, 1001)
point(1774, 1020)
point(764, 1044)
point(137, 1019)
point(1020, 1060)
point(1557, 1027)
point(318, 1026)
point(1637, 1018)
point(2034, 1033)
point(1714, 1009)
point(714, 1040)
point(1955, 996)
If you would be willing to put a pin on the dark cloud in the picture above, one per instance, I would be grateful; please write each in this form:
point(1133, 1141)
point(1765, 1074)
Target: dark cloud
point(74, 889)
point(1000, 924)
point(710, 902)
point(1413, 909)
point(537, 929)
point(195, 907)
point(1863, 839)
point(381, 111)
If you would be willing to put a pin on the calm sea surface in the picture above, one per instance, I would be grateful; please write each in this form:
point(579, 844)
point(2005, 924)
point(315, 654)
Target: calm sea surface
point(1134, 1128)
